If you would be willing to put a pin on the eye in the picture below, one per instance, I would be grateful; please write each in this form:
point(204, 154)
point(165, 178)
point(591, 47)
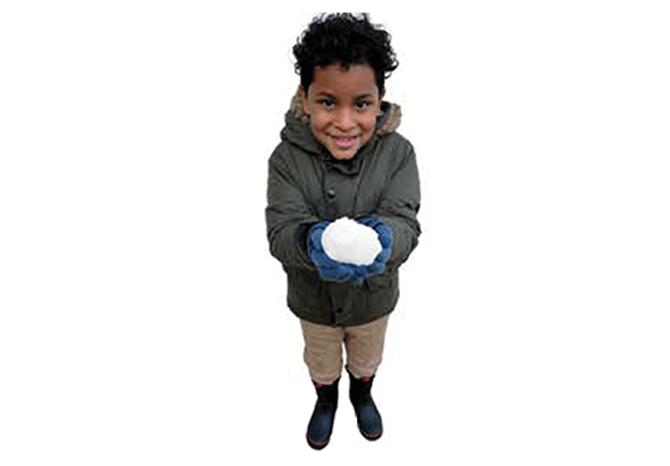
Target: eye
point(363, 104)
point(326, 102)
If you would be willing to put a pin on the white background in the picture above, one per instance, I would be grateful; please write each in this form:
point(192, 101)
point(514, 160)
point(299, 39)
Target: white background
point(143, 320)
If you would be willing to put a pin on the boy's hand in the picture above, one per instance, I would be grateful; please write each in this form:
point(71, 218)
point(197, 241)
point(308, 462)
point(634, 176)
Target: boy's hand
point(332, 270)
point(385, 237)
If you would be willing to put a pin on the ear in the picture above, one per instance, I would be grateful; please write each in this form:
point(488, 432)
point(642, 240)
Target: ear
point(382, 93)
point(303, 99)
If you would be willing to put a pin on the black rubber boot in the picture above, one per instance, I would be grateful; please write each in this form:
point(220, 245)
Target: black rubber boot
point(321, 424)
point(369, 419)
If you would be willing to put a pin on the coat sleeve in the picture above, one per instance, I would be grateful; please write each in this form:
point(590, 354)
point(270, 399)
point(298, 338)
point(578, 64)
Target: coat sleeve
point(287, 215)
point(399, 206)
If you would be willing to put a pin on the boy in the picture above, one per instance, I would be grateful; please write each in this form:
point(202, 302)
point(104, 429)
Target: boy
point(340, 156)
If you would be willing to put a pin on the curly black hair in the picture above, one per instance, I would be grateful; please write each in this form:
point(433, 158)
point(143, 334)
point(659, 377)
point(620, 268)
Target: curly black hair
point(346, 39)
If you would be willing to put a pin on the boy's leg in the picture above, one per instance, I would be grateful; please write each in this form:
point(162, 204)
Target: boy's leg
point(365, 345)
point(323, 351)
point(323, 356)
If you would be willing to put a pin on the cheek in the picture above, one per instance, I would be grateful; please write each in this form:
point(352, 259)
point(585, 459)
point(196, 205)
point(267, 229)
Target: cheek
point(368, 124)
point(318, 122)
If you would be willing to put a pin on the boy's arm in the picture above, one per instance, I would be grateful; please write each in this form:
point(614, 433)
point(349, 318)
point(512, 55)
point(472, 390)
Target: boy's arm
point(398, 207)
point(288, 217)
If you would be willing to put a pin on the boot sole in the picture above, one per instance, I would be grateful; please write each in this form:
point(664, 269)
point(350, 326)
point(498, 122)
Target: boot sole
point(372, 437)
point(315, 445)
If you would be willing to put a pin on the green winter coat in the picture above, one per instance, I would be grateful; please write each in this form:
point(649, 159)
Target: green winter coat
point(307, 185)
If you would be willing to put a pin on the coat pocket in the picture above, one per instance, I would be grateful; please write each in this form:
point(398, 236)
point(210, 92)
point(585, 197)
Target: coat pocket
point(382, 281)
point(305, 289)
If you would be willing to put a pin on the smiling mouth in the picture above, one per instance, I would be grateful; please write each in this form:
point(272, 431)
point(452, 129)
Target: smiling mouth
point(344, 143)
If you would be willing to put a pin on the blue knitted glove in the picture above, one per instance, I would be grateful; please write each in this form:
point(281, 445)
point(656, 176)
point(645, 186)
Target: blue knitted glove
point(385, 236)
point(340, 272)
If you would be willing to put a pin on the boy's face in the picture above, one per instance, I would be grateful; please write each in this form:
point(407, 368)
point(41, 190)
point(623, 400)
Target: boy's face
point(343, 107)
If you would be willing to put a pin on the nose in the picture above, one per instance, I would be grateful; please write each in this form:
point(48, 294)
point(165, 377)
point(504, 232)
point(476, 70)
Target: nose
point(345, 119)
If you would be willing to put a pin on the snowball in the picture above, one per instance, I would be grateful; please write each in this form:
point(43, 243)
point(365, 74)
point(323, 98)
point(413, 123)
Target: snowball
point(348, 241)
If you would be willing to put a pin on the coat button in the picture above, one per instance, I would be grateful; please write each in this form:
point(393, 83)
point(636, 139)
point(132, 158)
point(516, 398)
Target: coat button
point(331, 193)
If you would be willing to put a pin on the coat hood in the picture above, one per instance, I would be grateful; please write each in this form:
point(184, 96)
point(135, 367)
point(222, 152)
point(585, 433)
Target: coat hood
point(298, 131)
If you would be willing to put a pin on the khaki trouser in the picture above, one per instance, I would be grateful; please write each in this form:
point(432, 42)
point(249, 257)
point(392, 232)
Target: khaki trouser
point(323, 349)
